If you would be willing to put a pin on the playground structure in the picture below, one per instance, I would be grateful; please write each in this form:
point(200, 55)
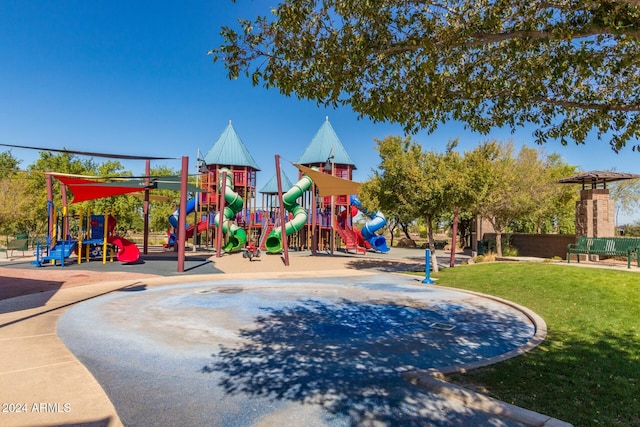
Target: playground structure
point(90, 242)
point(330, 212)
point(273, 242)
point(94, 236)
point(376, 222)
point(312, 221)
point(237, 237)
point(225, 205)
point(233, 204)
point(190, 229)
point(228, 184)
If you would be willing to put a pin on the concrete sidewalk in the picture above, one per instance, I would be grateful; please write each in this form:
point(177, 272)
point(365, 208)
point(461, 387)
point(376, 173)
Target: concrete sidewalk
point(41, 381)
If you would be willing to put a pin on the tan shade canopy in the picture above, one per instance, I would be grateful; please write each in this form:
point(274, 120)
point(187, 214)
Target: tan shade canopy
point(152, 197)
point(330, 185)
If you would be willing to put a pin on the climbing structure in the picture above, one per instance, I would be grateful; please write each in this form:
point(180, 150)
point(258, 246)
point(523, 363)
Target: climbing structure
point(229, 156)
point(236, 236)
point(334, 224)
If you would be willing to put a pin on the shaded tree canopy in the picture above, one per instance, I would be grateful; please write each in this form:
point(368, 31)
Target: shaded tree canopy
point(12, 203)
point(518, 188)
point(626, 195)
point(570, 68)
point(392, 188)
point(8, 164)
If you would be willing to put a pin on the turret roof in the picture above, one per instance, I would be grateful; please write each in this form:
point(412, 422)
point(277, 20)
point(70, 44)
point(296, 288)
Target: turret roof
point(271, 187)
point(229, 150)
point(323, 145)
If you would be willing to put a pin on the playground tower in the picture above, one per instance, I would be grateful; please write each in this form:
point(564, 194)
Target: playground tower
point(229, 152)
point(326, 152)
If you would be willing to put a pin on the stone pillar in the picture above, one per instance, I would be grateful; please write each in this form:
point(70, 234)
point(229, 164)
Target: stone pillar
point(595, 214)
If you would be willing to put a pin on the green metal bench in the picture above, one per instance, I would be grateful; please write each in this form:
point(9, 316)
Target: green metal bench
point(440, 244)
point(16, 245)
point(606, 246)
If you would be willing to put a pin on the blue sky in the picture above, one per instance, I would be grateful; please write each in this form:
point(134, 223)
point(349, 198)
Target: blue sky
point(133, 77)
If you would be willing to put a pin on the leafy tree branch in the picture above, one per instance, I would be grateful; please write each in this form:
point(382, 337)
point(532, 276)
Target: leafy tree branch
point(571, 68)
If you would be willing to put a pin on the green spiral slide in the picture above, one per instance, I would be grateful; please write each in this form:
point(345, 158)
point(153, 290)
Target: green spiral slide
point(273, 244)
point(237, 236)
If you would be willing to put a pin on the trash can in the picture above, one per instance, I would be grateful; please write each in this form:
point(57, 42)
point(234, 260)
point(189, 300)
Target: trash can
point(483, 247)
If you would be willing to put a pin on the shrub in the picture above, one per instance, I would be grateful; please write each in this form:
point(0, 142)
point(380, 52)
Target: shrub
point(488, 257)
point(509, 251)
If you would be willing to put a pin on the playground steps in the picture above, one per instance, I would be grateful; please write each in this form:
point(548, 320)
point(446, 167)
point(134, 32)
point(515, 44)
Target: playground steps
point(361, 240)
point(58, 253)
point(350, 239)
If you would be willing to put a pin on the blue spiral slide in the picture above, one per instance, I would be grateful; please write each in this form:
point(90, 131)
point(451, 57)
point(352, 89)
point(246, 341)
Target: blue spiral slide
point(376, 222)
point(173, 220)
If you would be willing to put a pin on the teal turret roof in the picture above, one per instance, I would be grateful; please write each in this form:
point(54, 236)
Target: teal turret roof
point(229, 150)
point(271, 187)
point(323, 144)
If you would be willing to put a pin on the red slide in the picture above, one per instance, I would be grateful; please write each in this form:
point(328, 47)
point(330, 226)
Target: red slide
point(127, 250)
point(359, 239)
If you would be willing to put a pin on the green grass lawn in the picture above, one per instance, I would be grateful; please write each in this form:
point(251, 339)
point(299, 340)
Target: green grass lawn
point(587, 371)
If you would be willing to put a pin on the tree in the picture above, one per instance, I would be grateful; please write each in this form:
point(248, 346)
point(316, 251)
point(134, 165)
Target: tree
point(496, 166)
point(570, 68)
point(514, 187)
point(626, 195)
point(411, 184)
point(392, 189)
point(159, 211)
point(557, 211)
point(14, 202)
point(631, 229)
point(8, 164)
point(442, 187)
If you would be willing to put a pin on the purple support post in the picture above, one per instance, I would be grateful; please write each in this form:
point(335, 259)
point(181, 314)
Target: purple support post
point(221, 202)
point(454, 235)
point(314, 222)
point(283, 229)
point(182, 214)
point(50, 211)
point(145, 208)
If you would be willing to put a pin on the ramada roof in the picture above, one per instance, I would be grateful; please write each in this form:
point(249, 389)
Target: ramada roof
point(597, 177)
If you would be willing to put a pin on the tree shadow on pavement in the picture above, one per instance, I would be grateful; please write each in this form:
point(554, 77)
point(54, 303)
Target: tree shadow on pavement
point(385, 265)
point(348, 357)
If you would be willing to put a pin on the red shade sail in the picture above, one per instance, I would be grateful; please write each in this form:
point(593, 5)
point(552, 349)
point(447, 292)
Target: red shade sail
point(86, 189)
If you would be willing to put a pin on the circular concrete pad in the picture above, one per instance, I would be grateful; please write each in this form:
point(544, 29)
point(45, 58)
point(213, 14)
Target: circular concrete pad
point(325, 351)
